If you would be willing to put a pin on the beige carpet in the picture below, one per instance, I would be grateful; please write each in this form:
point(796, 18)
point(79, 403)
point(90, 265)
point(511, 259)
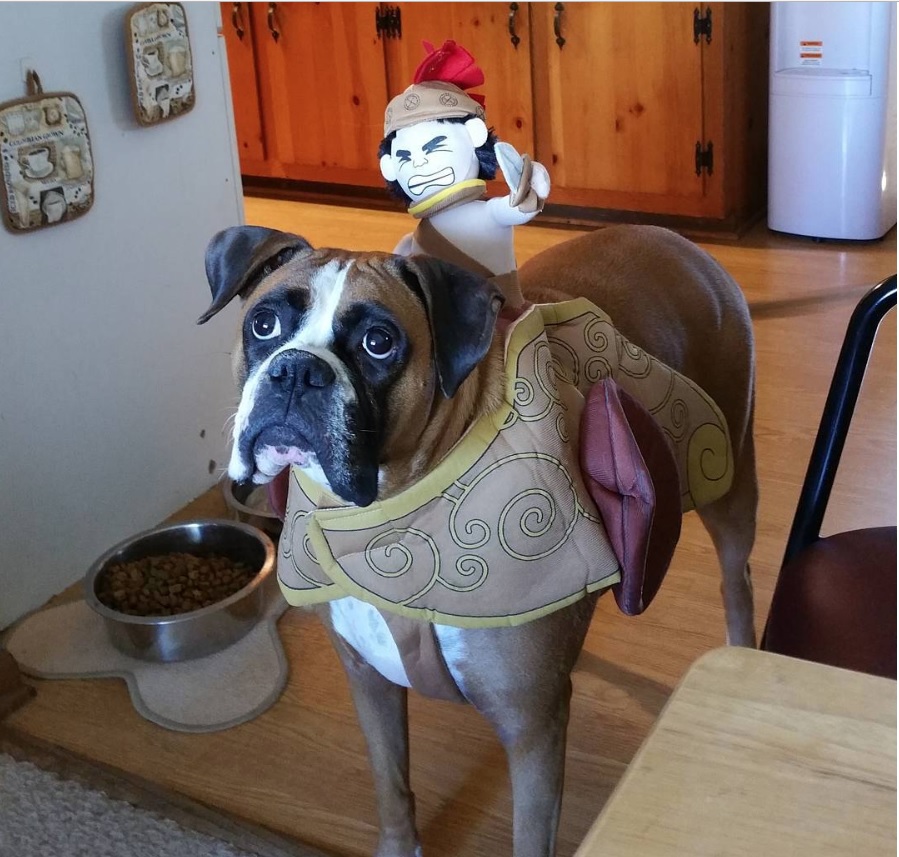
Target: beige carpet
point(53, 803)
point(42, 815)
point(202, 695)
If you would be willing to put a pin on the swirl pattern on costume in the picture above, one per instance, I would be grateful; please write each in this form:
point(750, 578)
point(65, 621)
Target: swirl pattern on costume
point(566, 362)
point(531, 522)
point(598, 335)
point(297, 548)
point(508, 531)
point(524, 392)
point(597, 368)
point(468, 566)
point(539, 405)
point(408, 553)
point(633, 360)
point(710, 456)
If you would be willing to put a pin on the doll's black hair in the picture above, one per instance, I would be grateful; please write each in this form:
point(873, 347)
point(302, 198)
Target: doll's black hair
point(486, 155)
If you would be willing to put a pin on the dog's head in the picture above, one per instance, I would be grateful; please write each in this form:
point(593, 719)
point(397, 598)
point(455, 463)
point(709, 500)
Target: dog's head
point(341, 355)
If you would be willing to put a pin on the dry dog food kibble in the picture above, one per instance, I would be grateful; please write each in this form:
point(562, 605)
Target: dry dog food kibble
point(171, 584)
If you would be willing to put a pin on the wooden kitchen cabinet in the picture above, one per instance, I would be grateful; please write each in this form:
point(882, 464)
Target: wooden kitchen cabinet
point(637, 112)
point(626, 95)
point(237, 27)
point(322, 91)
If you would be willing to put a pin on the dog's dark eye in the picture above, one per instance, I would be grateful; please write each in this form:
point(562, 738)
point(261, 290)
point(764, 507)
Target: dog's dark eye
point(378, 343)
point(266, 324)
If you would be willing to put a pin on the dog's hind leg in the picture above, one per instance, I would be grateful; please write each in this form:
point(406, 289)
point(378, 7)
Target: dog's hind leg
point(383, 715)
point(731, 522)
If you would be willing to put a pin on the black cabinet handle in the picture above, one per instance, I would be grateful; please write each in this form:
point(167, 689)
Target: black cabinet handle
point(557, 24)
point(513, 36)
point(237, 20)
point(272, 23)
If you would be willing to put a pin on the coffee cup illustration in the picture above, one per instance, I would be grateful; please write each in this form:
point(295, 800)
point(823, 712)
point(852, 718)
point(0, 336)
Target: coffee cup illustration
point(151, 62)
point(37, 163)
point(71, 159)
point(15, 122)
point(52, 114)
point(178, 59)
point(53, 205)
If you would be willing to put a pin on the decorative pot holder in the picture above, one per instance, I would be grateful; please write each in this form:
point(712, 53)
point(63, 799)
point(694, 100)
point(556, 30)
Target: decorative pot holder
point(161, 66)
point(48, 169)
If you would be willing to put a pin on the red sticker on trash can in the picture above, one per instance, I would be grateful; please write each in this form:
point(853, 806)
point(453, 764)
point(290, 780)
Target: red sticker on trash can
point(811, 53)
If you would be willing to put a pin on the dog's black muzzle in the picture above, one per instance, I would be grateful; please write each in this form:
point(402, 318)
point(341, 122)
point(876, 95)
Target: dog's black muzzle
point(295, 406)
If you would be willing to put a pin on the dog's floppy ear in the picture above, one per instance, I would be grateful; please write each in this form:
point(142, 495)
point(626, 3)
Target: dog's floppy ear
point(462, 308)
point(239, 257)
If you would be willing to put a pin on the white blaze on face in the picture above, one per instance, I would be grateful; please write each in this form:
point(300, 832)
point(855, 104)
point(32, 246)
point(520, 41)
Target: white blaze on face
point(316, 336)
point(325, 292)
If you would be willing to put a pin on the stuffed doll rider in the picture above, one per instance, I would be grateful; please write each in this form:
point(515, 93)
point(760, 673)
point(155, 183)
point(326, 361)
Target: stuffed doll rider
point(437, 153)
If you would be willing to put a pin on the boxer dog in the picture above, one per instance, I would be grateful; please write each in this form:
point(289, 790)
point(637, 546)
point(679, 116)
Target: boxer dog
point(364, 369)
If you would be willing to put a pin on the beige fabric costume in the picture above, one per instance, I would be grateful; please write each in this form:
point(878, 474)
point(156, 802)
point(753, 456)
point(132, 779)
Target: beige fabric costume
point(503, 530)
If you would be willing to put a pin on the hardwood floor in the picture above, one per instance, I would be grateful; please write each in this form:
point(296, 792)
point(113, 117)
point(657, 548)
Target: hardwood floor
point(300, 768)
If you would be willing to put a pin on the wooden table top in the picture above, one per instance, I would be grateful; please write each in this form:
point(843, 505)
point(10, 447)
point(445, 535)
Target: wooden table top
point(760, 755)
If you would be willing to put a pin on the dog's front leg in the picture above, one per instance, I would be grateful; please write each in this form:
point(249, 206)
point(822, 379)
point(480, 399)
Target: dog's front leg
point(535, 745)
point(383, 715)
point(520, 680)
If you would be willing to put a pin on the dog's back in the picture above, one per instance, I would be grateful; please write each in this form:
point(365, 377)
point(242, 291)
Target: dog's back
point(675, 301)
point(666, 295)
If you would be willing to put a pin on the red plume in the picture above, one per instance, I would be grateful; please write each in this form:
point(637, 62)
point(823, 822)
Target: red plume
point(451, 63)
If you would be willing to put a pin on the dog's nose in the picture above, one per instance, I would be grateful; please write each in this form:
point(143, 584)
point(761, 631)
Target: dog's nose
point(300, 367)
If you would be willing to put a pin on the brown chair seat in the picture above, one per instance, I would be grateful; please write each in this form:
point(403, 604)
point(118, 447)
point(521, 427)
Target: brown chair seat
point(835, 603)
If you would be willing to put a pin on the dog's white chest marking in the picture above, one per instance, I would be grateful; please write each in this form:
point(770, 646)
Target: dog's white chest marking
point(365, 630)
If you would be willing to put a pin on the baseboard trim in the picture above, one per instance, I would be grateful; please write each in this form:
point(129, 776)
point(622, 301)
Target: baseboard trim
point(559, 216)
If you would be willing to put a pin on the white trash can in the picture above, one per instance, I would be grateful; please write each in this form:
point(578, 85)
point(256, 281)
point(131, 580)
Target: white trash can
point(832, 119)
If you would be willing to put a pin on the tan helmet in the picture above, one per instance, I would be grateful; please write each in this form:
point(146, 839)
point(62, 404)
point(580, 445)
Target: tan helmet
point(431, 99)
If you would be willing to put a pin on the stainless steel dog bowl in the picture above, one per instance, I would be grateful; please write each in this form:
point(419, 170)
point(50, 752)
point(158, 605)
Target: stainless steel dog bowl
point(200, 632)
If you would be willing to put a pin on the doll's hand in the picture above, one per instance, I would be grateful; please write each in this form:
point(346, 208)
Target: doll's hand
point(527, 179)
point(510, 162)
point(540, 182)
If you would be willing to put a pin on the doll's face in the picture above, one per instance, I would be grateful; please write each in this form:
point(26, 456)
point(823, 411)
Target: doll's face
point(433, 155)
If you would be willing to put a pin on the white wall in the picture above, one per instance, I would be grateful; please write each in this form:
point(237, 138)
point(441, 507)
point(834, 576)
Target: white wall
point(112, 400)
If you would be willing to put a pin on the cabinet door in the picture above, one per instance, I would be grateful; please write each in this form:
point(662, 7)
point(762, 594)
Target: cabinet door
point(483, 29)
point(619, 101)
point(323, 89)
point(238, 33)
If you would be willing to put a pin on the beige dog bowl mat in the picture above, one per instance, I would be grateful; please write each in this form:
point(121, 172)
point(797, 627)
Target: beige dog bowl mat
point(202, 695)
